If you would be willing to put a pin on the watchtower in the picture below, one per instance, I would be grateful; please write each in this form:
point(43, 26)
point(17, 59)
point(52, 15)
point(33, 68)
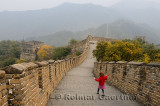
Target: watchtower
point(29, 50)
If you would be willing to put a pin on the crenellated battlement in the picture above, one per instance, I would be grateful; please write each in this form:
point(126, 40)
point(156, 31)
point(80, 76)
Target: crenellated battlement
point(29, 84)
point(82, 44)
point(135, 78)
point(32, 83)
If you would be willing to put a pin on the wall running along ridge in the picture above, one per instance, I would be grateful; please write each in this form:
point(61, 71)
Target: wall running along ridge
point(135, 78)
point(28, 84)
point(82, 44)
point(32, 83)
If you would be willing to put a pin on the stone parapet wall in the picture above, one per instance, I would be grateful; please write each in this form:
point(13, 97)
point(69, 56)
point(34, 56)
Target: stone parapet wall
point(100, 39)
point(135, 78)
point(80, 46)
point(29, 84)
point(3, 89)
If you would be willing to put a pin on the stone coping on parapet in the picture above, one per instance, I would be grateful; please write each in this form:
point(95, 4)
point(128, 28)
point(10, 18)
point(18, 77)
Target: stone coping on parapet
point(2, 74)
point(136, 63)
point(56, 62)
point(101, 62)
point(154, 64)
point(42, 63)
point(59, 61)
point(66, 59)
point(121, 62)
point(74, 57)
point(112, 62)
point(19, 68)
point(129, 63)
point(51, 61)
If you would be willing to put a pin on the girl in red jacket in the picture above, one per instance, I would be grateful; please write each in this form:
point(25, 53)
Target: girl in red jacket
point(101, 81)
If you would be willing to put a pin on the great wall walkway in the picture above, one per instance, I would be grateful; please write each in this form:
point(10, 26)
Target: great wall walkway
point(79, 82)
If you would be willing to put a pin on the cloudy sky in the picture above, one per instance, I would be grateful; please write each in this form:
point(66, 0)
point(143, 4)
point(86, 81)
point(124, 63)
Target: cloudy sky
point(21, 5)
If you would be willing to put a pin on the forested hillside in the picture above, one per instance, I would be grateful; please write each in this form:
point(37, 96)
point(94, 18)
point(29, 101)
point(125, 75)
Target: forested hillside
point(9, 52)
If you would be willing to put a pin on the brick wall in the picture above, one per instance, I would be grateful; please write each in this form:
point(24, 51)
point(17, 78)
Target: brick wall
point(80, 46)
point(135, 78)
point(99, 39)
point(3, 89)
point(31, 83)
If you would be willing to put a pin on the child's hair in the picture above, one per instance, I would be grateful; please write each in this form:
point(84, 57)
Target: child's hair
point(101, 74)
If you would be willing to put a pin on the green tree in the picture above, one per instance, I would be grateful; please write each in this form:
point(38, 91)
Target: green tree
point(9, 52)
point(153, 54)
point(151, 51)
point(10, 48)
point(141, 41)
point(73, 41)
point(78, 53)
point(100, 50)
point(15, 49)
point(9, 61)
point(61, 52)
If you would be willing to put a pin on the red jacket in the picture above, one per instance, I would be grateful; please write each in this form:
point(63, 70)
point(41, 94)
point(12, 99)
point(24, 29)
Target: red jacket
point(102, 79)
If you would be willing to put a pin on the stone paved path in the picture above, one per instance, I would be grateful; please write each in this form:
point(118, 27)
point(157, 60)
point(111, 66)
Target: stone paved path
point(78, 88)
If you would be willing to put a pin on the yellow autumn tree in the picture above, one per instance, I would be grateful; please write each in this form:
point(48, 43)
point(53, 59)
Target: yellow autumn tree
point(118, 50)
point(45, 52)
point(127, 51)
point(158, 57)
point(21, 60)
point(146, 58)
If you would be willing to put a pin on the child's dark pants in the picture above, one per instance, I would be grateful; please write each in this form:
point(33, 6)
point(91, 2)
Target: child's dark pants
point(102, 90)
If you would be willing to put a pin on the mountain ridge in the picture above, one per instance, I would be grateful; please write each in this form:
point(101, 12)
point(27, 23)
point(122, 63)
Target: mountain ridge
point(121, 29)
point(67, 17)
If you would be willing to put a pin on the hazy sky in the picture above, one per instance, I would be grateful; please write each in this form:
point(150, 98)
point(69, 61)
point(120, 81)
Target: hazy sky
point(21, 5)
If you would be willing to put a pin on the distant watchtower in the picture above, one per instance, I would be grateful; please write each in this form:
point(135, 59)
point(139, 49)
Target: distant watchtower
point(143, 38)
point(29, 50)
